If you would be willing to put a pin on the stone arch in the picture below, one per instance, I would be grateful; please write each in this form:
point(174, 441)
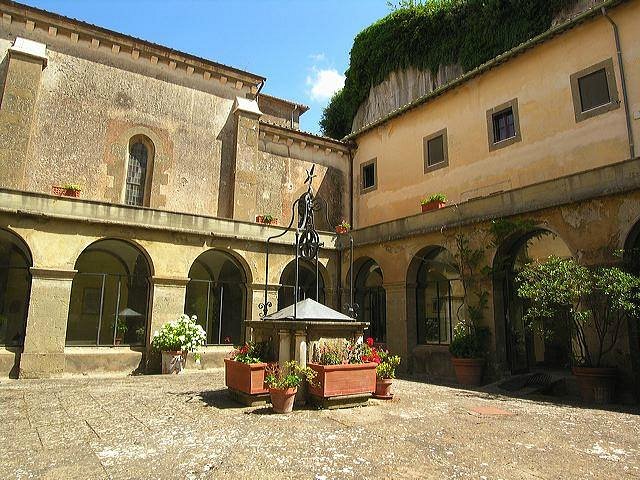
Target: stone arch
point(307, 286)
point(370, 297)
point(433, 297)
point(16, 261)
point(517, 348)
point(217, 293)
point(110, 295)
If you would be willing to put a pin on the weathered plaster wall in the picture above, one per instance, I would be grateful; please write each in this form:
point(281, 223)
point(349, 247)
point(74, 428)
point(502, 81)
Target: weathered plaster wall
point(553, 144)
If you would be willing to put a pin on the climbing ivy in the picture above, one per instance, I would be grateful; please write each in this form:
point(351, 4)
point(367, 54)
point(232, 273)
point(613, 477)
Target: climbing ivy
point(427, 35)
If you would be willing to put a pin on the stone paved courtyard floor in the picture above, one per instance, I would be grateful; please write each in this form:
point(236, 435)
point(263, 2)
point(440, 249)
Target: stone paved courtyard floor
point(174, 427)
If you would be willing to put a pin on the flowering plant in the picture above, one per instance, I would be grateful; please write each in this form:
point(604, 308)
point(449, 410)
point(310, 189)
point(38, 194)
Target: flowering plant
point(183, 334)
point(250, 352)
point(340, 352)
point(387, 366)
point(290, 375)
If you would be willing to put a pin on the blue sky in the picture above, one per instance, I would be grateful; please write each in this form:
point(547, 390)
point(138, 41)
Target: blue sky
point(301, 46)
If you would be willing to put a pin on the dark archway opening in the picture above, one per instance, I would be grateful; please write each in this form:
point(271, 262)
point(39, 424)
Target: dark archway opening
point(306, 284)
point(371, 298)
point(109, 296)
point(216, 294)
point(15, 289)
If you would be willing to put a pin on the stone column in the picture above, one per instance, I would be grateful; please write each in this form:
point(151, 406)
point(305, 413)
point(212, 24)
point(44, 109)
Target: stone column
point(284, 348)
point(168, 294)
point(396, 294)
point(26, 61)
point(43, 353)
point(301, 347)
point(245, 175)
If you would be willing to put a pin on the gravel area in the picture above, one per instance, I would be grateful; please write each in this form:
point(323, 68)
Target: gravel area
point(174, 427)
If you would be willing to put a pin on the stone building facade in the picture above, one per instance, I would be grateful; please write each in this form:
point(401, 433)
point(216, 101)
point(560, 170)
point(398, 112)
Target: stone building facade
point(176, 156)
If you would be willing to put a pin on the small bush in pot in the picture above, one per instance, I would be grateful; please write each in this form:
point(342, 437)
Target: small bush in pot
point(343, 227)
point(283, 382)
point(594, 302)
point(467, 348)
point(175, 339)
point(385, 373)
point(433, 202)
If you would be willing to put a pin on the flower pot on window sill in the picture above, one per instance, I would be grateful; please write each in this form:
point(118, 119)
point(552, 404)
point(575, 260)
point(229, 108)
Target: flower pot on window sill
point(65, 192)
point(468, 370)
point(245, 377)
point(173, 362)
point(597, 385)
point(282, 399)
point(340, 230)
point(261, 219)
point(118, 341)
point(433, 205)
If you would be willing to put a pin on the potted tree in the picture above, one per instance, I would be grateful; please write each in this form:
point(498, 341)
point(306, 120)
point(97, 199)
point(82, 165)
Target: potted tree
point(68, 190)
point(343, 227)
point(594, 302)
point(385, 373)
point(467, 351)
point(121, 331)
point(175, 339)
point(433, 202)
point(344, 368)
point(283, 383)
point(244, 370)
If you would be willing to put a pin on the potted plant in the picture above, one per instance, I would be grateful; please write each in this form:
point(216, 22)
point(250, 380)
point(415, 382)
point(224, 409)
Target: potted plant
point(283, 383)
point(121, 330)
point(343, 227)
point(175, 339)
point(266, 219)
point(594, 302)
point(344, 368)
point(385, 373)
point(433, 202)
point(244, 370)
point(68, 190)
point(467, 350)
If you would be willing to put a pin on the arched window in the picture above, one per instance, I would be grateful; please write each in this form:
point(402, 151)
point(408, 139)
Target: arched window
point(439, 297)
point(371, 298)
point(216, 294)
point(138, 171)
point(15, 287)
point(306, 284)
point(109, 295)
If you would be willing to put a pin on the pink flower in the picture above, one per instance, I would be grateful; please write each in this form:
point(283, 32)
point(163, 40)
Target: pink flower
point(370, 341)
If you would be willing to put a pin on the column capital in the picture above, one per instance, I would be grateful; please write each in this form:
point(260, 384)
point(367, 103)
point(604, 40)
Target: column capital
point(30, 49)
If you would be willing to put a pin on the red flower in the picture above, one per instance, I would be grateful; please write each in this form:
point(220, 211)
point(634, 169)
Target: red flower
point(370, 341)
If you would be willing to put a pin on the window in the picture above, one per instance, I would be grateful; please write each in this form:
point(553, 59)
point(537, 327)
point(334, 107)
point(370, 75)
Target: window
point(594, 90)
point(139, 166)
point(435, 151)
point(369, 176)
point(503, 126)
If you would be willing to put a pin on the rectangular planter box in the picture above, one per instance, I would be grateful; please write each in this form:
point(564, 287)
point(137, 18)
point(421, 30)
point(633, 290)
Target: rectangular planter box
point(341, 380)
point(245, 377)
point(65, 192)
point(435, 205)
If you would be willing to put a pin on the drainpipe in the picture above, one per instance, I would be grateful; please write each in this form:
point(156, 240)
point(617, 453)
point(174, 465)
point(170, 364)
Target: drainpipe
point(260, 88)
point(292, 114)
point(623, 82)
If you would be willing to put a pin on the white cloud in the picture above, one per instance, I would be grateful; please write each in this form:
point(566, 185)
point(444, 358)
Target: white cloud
point(318, 57)
point(324, 83)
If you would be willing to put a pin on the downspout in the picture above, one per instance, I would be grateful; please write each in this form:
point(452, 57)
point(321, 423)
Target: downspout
point(260, 88)
point(625, 99)
point(292, 114)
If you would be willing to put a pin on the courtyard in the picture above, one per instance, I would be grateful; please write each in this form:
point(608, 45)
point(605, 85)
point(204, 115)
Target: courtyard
point(185, 426)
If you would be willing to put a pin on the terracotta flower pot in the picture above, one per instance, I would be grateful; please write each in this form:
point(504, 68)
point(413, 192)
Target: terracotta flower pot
point(245, 377)
point(341, 230)
point(338, 380)
point(468, 370)
point(65, 192)
point(383, 388)
point(434, 205)
point(173, 362)
point(118, 340)
point(597, 385)
point(282, 399)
